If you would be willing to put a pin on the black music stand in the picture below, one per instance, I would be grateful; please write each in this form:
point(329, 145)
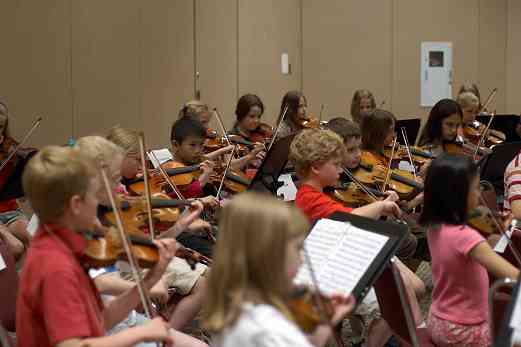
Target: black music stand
point(493, 167)
point(266, 178)
point(505, 123)
point(412, 128)
point(504, 337)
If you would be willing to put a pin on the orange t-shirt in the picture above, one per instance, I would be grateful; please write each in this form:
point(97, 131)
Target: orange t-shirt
point(315, 204)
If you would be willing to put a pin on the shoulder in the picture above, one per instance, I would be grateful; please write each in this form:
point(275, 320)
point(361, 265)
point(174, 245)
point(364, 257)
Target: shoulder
point(263, 325)
point(464, 238)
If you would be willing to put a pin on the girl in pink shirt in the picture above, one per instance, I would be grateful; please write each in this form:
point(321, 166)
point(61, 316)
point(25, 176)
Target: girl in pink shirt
point(461, 257)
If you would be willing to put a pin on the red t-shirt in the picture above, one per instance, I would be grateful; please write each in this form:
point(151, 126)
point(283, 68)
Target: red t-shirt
point(57, 300)
point(315, 204)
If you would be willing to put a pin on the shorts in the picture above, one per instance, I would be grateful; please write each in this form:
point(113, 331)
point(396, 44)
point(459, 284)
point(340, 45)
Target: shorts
point(446, 333)
point(178, 275)
point(9, 217)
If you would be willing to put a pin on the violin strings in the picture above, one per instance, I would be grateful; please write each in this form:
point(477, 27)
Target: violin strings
point(359, 184)
point(275, 133)
point(225, 172)
point(171, 183)
point(22, 143)
point(388, 173)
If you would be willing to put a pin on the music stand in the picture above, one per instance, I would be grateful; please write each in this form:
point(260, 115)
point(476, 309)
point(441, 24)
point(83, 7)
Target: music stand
point(266, 177)
point(505, 123)
point(493, 168)
point(412, 128)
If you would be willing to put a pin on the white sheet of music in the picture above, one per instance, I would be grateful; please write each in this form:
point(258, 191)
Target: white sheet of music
point(515, 319)
point(340, 254)
point(163, 155)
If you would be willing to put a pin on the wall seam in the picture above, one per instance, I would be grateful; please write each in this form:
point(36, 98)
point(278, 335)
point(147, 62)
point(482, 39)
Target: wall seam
point(391, 84)
point(237, 18)
point(71, 79)
point(301, 23)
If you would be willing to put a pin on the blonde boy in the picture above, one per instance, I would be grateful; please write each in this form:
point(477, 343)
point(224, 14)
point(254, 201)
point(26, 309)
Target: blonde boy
point(58, 304)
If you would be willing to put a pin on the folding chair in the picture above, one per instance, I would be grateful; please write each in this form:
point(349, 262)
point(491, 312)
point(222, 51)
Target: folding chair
point(396, 309)
point(8, 288)
point(499, 296)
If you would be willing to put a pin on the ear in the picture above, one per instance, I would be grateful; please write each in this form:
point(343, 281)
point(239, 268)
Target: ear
point(315, 168)
point(75, 204)
point(175, 145)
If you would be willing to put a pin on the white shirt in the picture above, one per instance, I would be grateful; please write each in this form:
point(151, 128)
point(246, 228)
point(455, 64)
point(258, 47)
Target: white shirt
point(262, 326)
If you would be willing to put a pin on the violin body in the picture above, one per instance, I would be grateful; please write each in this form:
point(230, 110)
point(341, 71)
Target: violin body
point(419, 155)
point(262, 134)
point(352, 196)
point(465, 148)
point(482, 219)
point(474, 131)
point(303, 307)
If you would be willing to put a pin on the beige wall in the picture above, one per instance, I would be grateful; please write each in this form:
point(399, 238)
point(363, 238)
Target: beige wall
point(88, 65)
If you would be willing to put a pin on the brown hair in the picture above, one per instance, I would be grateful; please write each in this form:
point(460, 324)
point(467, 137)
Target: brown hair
point(245, 103)
point(357, 100)
point(312, 146)
point(5, 114)
point(53, 176)
point(375, 129)
point(257, 228)
point(291, 99)
point(345, 128)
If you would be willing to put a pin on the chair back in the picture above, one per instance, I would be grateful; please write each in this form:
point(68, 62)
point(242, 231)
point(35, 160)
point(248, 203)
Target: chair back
point(8, 288)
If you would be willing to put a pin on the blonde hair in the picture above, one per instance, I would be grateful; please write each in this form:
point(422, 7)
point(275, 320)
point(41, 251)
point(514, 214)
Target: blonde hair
point(312, 146)
point(125, 138)
point(250, 255)
point(97, 147)
point(193, 107)
point(52, 177)
point(357, 100)
point(467, 99)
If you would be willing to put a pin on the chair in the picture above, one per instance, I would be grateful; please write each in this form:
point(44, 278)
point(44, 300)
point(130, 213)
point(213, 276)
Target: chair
point(5, 339)
point(8, 288)
point(412, 128)
point(396, 309)
point(499, 296)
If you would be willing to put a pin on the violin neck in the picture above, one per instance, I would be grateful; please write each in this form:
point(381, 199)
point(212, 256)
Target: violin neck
point(407, 181)
point(236, 178)
point(165, 203)
point(182, 170)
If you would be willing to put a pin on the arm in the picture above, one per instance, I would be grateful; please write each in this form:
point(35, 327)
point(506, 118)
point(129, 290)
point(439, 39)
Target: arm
point(155, 330)
point(493, 262)
point(239, 164)
point(516, 208)
point(110, 284)
point(217, 153)
point(119, 308)
point(377, 209)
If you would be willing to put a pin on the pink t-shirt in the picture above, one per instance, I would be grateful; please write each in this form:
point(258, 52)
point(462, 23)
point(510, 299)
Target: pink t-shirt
point(460, 283)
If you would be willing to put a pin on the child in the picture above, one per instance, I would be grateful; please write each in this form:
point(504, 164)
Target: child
point(442, 126)
point(249, 286)
point(11, 216)
point(461, 257)
point(318, 158)
point(199, 109)
point(297, 106)
point(179, 275)
point(57, 302)
point(469, 104)
point(377, 133)
point(471, 88)
point(362, 104)
point(350, 133)
point(248, 114)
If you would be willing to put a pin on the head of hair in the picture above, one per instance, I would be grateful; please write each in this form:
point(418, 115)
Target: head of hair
point(312, 146)
point(447, 187)
point(375, 129)
point(470, 87)
point(4, 112)
point(347, 129)
point(467, 99)
point(432, 131)
point(97, 147)
point(357, 100)
point(193, 107)
point(245, 103)
point(292, 100)
point(52, 177)
point(255, 270)
point(125, 138)
point(186, 127)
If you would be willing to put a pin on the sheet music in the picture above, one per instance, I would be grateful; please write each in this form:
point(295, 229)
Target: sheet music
point(163, 155)
point(340, 254)
point(515, 319)
point(289, 189)
point(2, 263)
point(32, 226)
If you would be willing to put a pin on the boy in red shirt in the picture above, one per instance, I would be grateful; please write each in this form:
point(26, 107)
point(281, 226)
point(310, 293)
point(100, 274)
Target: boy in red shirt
point(58, 304)
point(318, 156)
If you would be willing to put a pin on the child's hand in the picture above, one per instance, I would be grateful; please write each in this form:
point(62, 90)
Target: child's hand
point(389, 208)
point(391, 195)
point(199, 226)
point(166, 249)
point(342, 306)
point(210, 201)
point(207, 167)
point(159, 292)
point(155, 330)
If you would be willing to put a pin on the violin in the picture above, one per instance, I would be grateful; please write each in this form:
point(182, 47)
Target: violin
point(351, 195)
point(262, 134)
point(485, 221)
point(373, 170)
point(310, 122)
point(474, 131)
point(182, 175)
point(303, 308)
point(105, 248)
point(462, 147)
point(212, 141)
point(419, 155)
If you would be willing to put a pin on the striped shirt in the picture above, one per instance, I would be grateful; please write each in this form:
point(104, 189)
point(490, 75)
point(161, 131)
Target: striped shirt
point(512, 182)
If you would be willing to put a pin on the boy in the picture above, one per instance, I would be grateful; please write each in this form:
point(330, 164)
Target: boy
point(58, 304)
point(179, 275)
point(318, 156)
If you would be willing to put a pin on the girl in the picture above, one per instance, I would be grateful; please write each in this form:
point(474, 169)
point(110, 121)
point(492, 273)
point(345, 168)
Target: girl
point(461, 257)
point(248, 112)
point(11, 216)
point(362, 104)
point(249, 285)
point(442, 126)
point(378, 132)
point(296, 114)
point(471, 88)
